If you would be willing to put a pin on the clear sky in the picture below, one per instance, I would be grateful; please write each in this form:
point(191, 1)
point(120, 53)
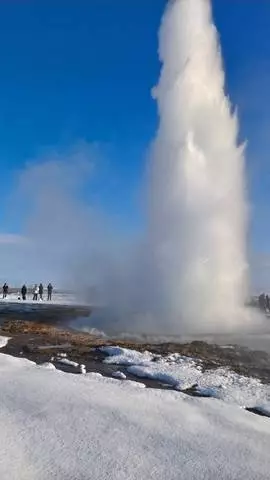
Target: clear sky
point(78, 75)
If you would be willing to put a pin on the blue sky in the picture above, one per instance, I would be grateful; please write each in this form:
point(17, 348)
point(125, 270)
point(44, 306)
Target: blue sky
point(79, 73)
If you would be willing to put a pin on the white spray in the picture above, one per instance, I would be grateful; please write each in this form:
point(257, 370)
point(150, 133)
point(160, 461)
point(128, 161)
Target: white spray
point(198, 212)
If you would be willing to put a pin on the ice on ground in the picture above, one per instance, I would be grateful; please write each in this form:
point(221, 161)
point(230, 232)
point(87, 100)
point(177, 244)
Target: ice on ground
point(54, 347)
point(208, 392)
point(87, 426)
point(119, 374)
point(4, 341)
point(183, 373)
point(125, 356)
point(66, 361)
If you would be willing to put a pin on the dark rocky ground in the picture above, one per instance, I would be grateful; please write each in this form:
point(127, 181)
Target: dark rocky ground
point(40, 342)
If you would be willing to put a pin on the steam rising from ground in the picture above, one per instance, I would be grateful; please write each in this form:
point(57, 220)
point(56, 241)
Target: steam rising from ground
point(189, 273)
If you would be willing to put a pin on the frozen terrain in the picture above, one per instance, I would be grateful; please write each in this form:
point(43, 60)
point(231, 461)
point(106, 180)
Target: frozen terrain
point(185, 373)
point(62, 308)
point(60, 426)
point(57, 299)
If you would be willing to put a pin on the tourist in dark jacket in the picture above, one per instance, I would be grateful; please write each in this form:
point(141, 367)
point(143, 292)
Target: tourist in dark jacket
point(5, 290)
point(24, 292)
point(40, 291)
point(49, 289)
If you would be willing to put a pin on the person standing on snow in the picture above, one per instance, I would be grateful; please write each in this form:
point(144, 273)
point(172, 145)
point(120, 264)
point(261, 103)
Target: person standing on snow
point(49, 289)
point(40, 291)
point(24, 292)
point(5, 290)
point(35, 293)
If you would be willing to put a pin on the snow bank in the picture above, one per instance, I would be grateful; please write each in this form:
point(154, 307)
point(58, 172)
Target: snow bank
point(182, 373)
point(48, 366)
point(59, 426)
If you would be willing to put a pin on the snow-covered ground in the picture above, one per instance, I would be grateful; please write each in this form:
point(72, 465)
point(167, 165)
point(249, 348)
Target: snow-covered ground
point(54, 425)
point(57, 299)
point(184, 372)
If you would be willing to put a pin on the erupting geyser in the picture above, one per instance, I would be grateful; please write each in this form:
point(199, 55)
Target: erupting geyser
point(198, 214)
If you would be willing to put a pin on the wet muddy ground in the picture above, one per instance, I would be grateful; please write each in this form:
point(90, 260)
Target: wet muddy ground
point(52, 314)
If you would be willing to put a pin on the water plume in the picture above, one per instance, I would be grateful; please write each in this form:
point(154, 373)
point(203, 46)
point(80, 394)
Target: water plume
point(197, 205)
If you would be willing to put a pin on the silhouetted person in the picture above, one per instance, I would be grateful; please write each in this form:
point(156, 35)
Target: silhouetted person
point(262, 301)
point(267, 302)
point(5, 290)
point(24, 292)
point(35, 293)
point(49, 289)
point(40, 291)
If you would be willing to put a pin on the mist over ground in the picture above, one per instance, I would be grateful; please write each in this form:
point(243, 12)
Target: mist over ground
point(79, 247)
point(187, 271)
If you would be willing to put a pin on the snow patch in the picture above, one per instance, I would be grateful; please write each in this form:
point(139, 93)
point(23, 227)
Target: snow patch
point(183, 373)
point(125, 356)
point(208, 392)
point(82, 369)
point(4, 341)
point(119, 374)
point(66, 361)
point(64, 299)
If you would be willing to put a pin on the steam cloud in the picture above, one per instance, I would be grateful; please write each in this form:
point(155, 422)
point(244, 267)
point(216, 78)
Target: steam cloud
point(189, 272)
